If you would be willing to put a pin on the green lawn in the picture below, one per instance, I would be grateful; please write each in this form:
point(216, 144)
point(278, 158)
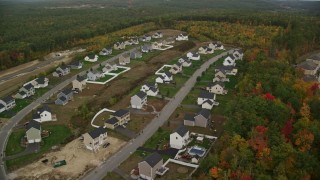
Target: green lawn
point(105, 78)
point(113, 176)
point(119, 70)
point(20, 104)
point(13, 145)
point(59, 135)
point(159, 137)
point(168, 90)
point(192, 97)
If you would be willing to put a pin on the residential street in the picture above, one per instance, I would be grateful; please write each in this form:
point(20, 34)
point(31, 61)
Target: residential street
point(115, 160)
point(6, 129)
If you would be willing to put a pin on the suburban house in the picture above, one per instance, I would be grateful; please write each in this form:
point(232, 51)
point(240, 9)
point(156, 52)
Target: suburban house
point(124, 59)
point(33, 132)
point(95, 138)
point(193, 56)
point(238, 54)
point(176, 68)
point(109, 67)
point(217, 88)
point(61, 71)
point(135, 41)
point(64, 97)
point(205, 96)
point(201, 119)
point(229, 61)
point(105, 51)
point(138, 100)
point(145, 38)
point(151, 89)
point(151, 166)
point(314, 58)
point(40, 82)
point(166, 77)
point(91, 58)
point(94, 75)
point(157, 35)
point(128, 42)
point(79, 83)
point(118, 118)
point(156, 45)
point(179, 138)
point(189, 120)
point(25, 91)
point(146, 48)
point(216, 45)
point(228, 70)
point(43, 114)
point(118, 46)
point(169, 40)
point(309, 68)
point(205, 50)
point(185, 61)
point(182, 37)
point(7, 103)
point(135, 54)
point(75, 65)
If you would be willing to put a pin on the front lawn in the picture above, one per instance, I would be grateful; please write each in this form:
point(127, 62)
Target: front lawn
point(13, 145)
point(105, 78)
point(119, 70)
point(59, 134)
point(168, 90)
point(20, 104)
point(157, 138)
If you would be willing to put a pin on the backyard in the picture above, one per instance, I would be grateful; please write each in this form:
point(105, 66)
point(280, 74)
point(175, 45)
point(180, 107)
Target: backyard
point(14, 142)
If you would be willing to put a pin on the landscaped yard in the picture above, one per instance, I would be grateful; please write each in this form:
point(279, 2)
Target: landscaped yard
point(119, 70)
point(13, 145)
point(168, 90)
point(20, 104)
point(161, 136)
point(58, 135)
point(105, 78)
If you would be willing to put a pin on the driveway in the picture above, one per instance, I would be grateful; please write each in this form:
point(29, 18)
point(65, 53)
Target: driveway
point(126, 132)
point(31, 148)
point(115, 160)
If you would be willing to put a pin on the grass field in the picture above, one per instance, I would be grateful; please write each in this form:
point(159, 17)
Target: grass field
point(157, 138)
point(58, 135)
point(105, 78)
point(13, 145)
point(119, 70)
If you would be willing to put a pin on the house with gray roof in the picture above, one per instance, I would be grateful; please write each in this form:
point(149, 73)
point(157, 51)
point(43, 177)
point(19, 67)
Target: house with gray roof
point(79, 83)
point(94, 75)
point(94, 139)
point(151, 89)
point(216, 45)
point(25, 91)
point(40, 82)
point(43, 114)
point(202, 118)
point(309, 68)
point(124, 59)
point(176, 68)
point(138, 100)
point(205, 50)
point(314, 58)
point(135, 54)
point(146, 48)
point(230, 60)
point(61, 71)
point(105, 51)
point(111, 123)
point(204, 96)
point(157, 35)
point(64, 97)
point(179, 138)
point(91, 58)
point(227, 70)
point(217, 88)
point(166, 77)
point(145, 38)
point(195, 56)
point(75, 65)
point(119, 45)
point(189, 120)
point(182, 37)
point(7, 103)
point(151, 166)
point(109, 67)
point(33, 132)
point(238, 54)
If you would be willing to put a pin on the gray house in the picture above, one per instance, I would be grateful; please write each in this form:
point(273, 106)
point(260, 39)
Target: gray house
point(124, 59)
point(151, 166)
point(203, 117)
point(64, 97)
point(75, 65)
point(118, 46)
point(79, 83)
point(138, 100)
point(40, 82)
point(7, 103)
point(61, 71)
point(33, 132)
point(146, 48)
point(105, 51)
point(27, 89)
point(135, 55)
point(189, 120)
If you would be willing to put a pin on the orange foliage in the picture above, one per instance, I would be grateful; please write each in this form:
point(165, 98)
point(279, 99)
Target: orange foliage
point(304, 139)
point(214, 172)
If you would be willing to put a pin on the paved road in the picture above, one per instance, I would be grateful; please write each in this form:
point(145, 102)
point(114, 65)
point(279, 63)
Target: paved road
point(7, 128)
point(114, 161)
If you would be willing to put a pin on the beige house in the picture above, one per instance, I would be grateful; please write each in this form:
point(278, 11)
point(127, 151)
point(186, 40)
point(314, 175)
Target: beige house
point(33, 132)
point(151, 166)
point(309, 67)
point(118, 118)
point(124, 59)
point(79, 83)
point(95, 138)
point(176, 68)
point(217, 88)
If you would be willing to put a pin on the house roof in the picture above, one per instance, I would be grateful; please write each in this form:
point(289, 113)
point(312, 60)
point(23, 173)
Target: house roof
point(231, 56)
point(238, 50)
point(112, 120)
point(168, 73)
point(80, 78)
point(91, 56)
point(126, 55)
point(8, 99)
point(206, 94)
point(22, 93)
point(309, 78)
point(120, 112)
point(33, 124)
point(44, 108)
point(62, 98)
point(205, 113)
point(216, 83)
point(97, 132)
point(28, 86)
point(315, 57)
point(153, 89)
point(181, 130)
point(209, 102)
point(58, 71)
point(63, 67)
point(308, 65)
point(184, 34)
point(189, 117)
point(153, 159)
point(1, 106)
point(40, 80)
point(225, 68)
point(141, 94)
point(75, 63)
point(151, 84)
point(67, 91)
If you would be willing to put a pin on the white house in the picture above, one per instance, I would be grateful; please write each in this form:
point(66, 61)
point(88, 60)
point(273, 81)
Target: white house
point(7, 103)
point(91, 58)
point(193, 56)
point(151, 89)
point(105, 51)
point(119, 45)
point(40, 82)
point(205, 50)
point(176, 68)
point(227, 70)
point(217, 88)
point(33, 132)
point(94, 75)
point(109, 67)
point(182, 37)
point(229, 61)
point(138, 100)
point(185, 61)
point(166, 77)
point(179, 138)
point(157, 35)
point(238, 54)
point(216, 45)
point(43, 114)
point(95, 138)
point(205, 96)
point(79, 83)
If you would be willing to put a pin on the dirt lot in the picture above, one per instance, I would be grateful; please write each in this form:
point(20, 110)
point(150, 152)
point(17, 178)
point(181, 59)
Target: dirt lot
point(175, 172)
point(78, 159)
point(167, 32)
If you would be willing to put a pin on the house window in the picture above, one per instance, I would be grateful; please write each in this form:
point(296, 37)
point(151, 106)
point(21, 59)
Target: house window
point(176, 137)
